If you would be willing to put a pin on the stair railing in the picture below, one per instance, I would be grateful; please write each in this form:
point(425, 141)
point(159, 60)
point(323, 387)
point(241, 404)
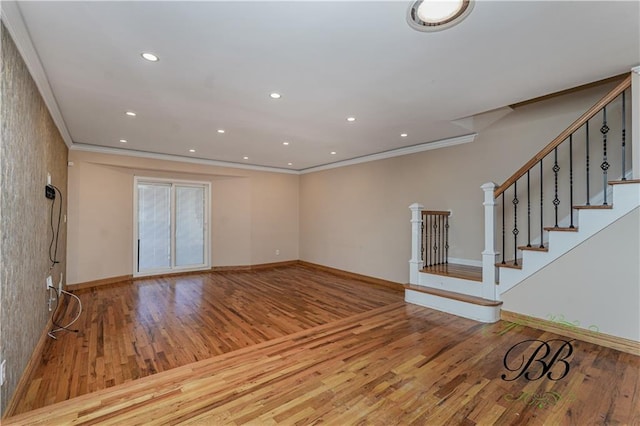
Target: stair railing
point(429, 239)
point(544, 189)
point(435, 237)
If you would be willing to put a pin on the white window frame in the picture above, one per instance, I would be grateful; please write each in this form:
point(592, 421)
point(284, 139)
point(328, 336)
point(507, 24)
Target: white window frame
point(207, 233)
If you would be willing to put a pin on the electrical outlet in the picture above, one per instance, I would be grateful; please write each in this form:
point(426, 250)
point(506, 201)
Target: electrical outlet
point(3, 372)
point(277, 252)
point(49, 282)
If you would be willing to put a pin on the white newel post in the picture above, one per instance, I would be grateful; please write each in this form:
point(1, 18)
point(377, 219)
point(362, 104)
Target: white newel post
point(489, 255)
point(635, 121)
point(415, 264)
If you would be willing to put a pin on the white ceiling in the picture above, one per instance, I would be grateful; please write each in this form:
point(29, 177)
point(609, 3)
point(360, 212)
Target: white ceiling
point(219, 61)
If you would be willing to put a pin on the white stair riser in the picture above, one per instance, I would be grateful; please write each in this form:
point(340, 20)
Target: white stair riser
point(457, 285)
point(487, 314)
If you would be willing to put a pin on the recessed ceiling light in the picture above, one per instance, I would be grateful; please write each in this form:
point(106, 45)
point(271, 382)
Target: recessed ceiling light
point(123, 140)
point(436, 15)
point(285, 143)
point(220, 131)
point(131, 113)
point(245, 158)
point(351, 119)
point(333, 153)
point(192, 150)
point(150, 57)
point(275, 95)
point(289, 164)
point(403, 135)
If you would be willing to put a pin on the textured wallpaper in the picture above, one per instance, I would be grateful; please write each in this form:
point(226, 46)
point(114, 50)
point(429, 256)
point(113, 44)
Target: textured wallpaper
point(30, 147)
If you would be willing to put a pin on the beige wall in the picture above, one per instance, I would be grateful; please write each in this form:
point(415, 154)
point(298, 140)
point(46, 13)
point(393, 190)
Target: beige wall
point(30, 147)
point(603, 291)
point(253, 214)
point(357, 218)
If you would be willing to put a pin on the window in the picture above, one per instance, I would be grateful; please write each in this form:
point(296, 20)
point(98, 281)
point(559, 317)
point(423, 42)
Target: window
point(170, 226)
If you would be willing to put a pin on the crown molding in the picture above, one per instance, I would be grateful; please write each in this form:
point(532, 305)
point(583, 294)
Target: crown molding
point(443, 143)
point(217, 163)
point(169, 157)
point(13, 21)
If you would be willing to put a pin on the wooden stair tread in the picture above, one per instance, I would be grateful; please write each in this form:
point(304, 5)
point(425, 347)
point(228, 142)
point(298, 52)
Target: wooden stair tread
point(466, 272)
point(595, 207)
point(453, 295)
point(561, 229)
point(510, 264)
point(622, 182)
point(533, 248)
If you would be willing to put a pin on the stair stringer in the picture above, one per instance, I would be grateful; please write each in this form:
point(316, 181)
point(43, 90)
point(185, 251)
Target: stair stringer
point(626, 197)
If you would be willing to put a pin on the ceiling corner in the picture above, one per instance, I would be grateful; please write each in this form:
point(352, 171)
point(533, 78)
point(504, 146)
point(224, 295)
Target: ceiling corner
point(13, 21)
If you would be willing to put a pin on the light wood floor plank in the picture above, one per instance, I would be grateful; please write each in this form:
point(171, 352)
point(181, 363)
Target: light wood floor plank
point(374, 361)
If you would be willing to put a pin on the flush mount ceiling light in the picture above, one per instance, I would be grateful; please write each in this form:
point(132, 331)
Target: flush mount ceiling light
point(351, 119)
point(333, 153)
point(123, 140)
point(245, 158)
point(403, 135)
point(437, 15)
point(150, 57)
point(275, 95)
point(289, 164)
point(285, 143)
point(221, 131)
point(192, 150)
point(130, 113)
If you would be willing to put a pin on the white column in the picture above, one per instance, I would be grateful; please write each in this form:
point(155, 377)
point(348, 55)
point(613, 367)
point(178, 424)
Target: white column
point(489, 255)
point(635, 121)
point(415, 264)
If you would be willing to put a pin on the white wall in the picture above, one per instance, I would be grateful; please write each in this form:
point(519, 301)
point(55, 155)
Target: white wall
point(253, 214)
point(356, 218)
point(597, 283)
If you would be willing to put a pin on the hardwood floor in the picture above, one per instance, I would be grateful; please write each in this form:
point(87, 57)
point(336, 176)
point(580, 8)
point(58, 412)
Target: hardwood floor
point(294, 346)
point(473, 273)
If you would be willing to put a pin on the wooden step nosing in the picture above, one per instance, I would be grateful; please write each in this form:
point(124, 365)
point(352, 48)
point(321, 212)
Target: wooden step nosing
point(594, 207)
point(509, 264)
point(561, 229)
point(623, 182)
point(474, 300)
point(534, 248)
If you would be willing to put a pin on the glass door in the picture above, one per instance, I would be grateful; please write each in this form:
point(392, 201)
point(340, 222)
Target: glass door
point(170, 226)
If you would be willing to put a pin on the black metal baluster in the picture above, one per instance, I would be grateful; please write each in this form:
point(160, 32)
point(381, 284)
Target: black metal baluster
point(437, 249)
point(446, 244)
point(423, 242)
point(588, 196)
point(429, 238)
point(528, 209)
point(504, 247)
point(571, 179)
point(441, 239)
point(605, 164)
point(541, 210)
point(624, 131)
point(435, 240)
point(515, 223)
point(556, 169)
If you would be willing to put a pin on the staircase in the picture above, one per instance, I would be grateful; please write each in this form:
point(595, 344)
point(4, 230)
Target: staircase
point(559, 199)
point(590, 220)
